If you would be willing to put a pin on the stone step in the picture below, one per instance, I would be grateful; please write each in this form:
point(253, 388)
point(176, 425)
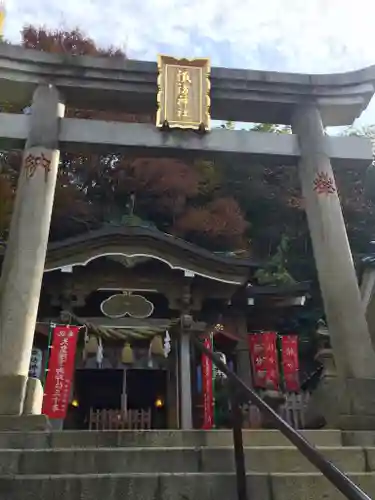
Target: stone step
point(157, 438)
point(196, 486)
point(358, 438)
point(176, 460)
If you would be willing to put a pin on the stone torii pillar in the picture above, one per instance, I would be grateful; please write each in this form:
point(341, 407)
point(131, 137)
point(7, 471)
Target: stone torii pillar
point(351, 343)
point(24, 261)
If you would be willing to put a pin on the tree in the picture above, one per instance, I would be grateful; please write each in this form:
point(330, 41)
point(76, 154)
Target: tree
point(271, 128)
point(219, 224)
point(6, 202)
point(72, 42)
point(275, 272)
point(271, 199)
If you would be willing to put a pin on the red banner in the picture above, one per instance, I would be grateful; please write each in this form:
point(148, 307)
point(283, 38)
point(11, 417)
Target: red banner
point(60, 371)
point(290, 362)
point(257, 359)
point(264, 361)
point(207, 385)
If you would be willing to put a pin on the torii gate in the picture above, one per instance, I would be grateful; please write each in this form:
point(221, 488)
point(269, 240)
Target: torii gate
point(307, 102)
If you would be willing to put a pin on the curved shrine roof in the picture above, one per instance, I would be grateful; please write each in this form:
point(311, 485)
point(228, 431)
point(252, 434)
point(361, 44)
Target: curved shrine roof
point(137, 242)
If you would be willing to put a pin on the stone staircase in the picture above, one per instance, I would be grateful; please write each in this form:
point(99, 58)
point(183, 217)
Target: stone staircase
point(175, 465)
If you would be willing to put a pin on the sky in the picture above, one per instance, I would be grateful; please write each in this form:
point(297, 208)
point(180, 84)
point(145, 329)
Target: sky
point(305, 36)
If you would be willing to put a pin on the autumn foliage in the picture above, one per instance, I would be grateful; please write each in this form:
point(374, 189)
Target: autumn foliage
point(72, 42)
point(219, 221)
point(170, 194)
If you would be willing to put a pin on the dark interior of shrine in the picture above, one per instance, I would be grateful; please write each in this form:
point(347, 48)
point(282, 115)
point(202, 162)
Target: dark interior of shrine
point(96, 390)
point(102, 389)
point(147, 389)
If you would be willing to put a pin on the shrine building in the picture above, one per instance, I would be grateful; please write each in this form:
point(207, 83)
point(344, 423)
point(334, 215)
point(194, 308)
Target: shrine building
point(138, 294)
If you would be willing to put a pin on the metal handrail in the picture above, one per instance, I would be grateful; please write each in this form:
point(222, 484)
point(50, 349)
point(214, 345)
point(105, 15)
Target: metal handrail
point(340, 480)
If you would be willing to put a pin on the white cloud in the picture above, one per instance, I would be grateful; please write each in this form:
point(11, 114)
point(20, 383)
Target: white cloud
point(287, 35)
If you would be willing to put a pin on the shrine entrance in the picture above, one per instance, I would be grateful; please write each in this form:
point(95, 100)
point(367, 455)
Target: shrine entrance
point(147, 390)
point(94, 390)
point(134, 398)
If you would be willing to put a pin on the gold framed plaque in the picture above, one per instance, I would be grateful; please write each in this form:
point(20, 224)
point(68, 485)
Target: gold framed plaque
point(183, 93)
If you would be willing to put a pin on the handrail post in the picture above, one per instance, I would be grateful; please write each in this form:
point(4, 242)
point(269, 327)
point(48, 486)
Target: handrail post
point(239, 455)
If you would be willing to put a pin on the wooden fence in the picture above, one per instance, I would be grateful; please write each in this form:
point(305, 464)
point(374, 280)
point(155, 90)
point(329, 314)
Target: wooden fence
point(104, 420)
point(292, 411)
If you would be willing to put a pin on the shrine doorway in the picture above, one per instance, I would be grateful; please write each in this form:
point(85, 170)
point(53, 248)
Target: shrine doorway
point(95, 390)
point(146, 389)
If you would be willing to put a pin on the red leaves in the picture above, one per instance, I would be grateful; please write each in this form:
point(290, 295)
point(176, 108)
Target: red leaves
point(76, 43)
point(72, 42)
point(91, 187)
point(161, 176)
point(69, 200)
point(220, 222)
point(166, 184)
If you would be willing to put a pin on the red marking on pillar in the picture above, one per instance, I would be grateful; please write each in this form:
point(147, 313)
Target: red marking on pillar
point(324, 184)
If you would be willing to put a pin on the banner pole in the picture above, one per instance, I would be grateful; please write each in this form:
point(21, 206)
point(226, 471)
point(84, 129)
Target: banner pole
point(207, 387)
point(214, 374)
point(49, 346)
